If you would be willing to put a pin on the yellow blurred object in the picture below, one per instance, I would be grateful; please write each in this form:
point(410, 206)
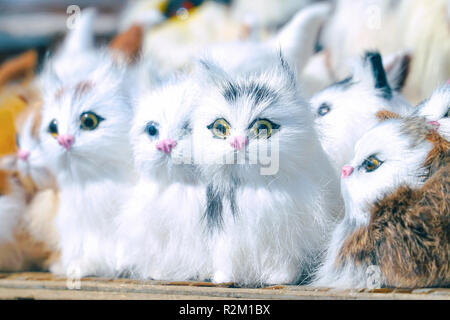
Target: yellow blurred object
point(7, 132)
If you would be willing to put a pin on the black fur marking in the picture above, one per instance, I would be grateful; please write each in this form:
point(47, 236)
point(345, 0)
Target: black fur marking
point(214, 208)
point(232, 197)
point(258, 92)
point(379, 74)
point(344, 84)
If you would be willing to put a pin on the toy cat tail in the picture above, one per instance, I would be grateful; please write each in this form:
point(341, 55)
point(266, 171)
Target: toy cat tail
point(408, 236)
point(297, 39)
point(81, 36)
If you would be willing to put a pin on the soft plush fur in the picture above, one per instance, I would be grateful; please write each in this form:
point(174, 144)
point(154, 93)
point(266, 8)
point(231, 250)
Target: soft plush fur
point(264, 226)
point(377, 200)
point(437, 108)
point(31, 162)
point(12, 204)
point(93, 167)
point(345, 110)
point(161, 231)
point(416, 25)
point(408, 233)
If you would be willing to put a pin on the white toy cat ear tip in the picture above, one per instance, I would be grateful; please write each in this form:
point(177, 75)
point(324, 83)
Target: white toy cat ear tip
point(346, 171)
point(166, 145)
point(23, 155)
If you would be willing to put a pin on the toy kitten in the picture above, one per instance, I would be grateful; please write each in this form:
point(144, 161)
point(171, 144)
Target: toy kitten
point(161, 227)
point(267, 218)
point(86, 118)
point(395, 229)
point(345, 110)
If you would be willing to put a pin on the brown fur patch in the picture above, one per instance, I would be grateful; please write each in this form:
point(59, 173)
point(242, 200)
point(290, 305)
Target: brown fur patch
point(82, 88)
point(129, 43)
point(4, 183)
point(439, 154)
point(384, 115)
point(18, 66)
point(408, 235)
point(59, 93)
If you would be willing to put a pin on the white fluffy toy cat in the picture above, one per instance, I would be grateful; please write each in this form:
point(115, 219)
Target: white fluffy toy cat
point(269, 210)
point(86, 118)
point(391, 156)
point(345, 110)
point(161, 230)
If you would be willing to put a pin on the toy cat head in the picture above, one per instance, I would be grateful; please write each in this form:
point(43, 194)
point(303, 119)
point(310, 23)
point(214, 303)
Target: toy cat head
point(161, 132)
point(87, 110)
point(251, 125)
point(31, 161)
point(347, 109)
point(389, 155)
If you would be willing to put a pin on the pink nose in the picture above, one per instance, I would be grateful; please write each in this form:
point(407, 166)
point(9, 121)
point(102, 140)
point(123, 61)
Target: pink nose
point(66, 141)
point(346, 171)
point(435, 124)
point(166, 145)
point(238, 142)
point(23, 155)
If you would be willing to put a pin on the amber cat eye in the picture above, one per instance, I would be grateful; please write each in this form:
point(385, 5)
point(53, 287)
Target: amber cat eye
point(371, 163)
point(90, 120)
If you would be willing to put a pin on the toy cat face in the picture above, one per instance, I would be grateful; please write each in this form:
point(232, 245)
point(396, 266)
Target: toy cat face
point(161, 133)
point(31, 161)
point(86, 119)
point(243, 115)
point(347, 109)
point(389, 155)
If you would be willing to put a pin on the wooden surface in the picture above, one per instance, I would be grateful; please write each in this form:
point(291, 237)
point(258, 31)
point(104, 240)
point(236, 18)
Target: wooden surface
point(48, 286)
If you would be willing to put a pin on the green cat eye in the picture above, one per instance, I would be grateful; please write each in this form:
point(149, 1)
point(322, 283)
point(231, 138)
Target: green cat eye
point(220, 128)
point(90, 120)
point(263, 128)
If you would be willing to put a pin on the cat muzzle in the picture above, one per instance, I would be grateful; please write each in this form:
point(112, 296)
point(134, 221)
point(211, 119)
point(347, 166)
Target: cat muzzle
point(66, 141)
point(238, 142)
point(346, 171)
point(166, 145)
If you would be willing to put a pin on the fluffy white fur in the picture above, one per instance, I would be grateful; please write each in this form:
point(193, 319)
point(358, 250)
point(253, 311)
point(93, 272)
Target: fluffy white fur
point(296, 40)
point(389, 26)
point(353, 105)
point(271, 227)
point(403, 157)
point(437, 108)
point(161, 230)
point(95, 173)
point(12, 206)
point(35, 166)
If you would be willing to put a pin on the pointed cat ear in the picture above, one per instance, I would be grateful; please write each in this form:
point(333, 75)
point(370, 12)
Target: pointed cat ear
point(384, 115)
point(210, 71)
point(19, 66)
point(81, 36)
point(371, 72)
point(128, 44)
point(397, 68)
point(298, 38)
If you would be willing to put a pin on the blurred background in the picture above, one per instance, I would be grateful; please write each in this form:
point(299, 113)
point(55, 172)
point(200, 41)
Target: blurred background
point(175, 31)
